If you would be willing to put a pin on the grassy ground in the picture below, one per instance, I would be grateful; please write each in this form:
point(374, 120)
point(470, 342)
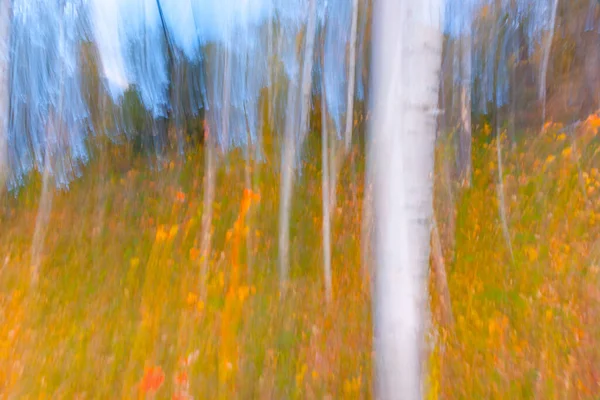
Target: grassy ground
point(526, 325)
point(118, 312)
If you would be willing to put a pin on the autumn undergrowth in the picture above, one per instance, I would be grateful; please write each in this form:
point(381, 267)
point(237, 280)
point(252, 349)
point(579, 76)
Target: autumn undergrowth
point(524, 327)
point(119, 312)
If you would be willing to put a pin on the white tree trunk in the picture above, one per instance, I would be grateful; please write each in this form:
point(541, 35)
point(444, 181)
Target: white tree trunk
point(546, 55)
point(441, 278)
point(333, 171)
point(351, 76)
point(406, 59)
point(465, 113)
point(291, 144)
point(325, 195)
point(207, 205)
point(248, 170)
point(5, 26)
point(307, 67)
point(500, 192)
point(286, 185)
point(41, 221)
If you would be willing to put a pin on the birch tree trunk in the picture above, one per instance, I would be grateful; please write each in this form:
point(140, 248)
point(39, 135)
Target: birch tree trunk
point(5, 26)
point(307, 67)
point(325, 196)
point(41, 221)
point(546, 52)
point(290, 144)
point(465, 112)
point(406, 59)
point(351, 77)
point(207, 207)
point(285, 188)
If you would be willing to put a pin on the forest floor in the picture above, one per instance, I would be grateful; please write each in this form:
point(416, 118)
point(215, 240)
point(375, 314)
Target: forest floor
point(118, 311)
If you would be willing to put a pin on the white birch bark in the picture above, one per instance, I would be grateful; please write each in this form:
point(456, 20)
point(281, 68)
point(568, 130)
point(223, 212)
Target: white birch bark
point(307, 67)
point(333, 171)
point(441, 278)
point(465, 113)
point(325, 195)
point(207, 207)
point(546, 58)
point(407, 46)
point(41, 221)
point(351, 77)
point(5, 27)
point(290, 144)
point(501, 197)
point(285, 188)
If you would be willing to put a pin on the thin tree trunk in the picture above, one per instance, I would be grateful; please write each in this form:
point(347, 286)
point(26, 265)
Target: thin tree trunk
point(5, 28)
point(325, 195)
point(207, 207)
point(465, 114)
point(290, 145)
point(351, 77)
point(500, 191)
point(406, 60)
point(225, 104)
point(285, 188)
point(307, 67)
point(496, 128)
point(333, 171)
point(441, 279)
point(545, 60)
point(248, 182)
point(41, 221)
point(367, 228)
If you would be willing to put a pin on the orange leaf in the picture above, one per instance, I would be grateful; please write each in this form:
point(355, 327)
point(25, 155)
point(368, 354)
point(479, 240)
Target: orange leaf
point(153, 379)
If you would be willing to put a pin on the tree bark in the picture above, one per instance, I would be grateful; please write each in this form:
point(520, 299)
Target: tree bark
point(285, 188)
point(41, 221)
point(207, 207)
point(5, 28)
point(325, 196)
point(545, 60)
point(465, 114)
point(307, 67)
point(441, 278)
point(351, 77)
point(406, 60)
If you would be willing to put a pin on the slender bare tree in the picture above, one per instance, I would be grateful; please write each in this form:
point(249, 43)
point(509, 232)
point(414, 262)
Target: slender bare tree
point(546, 57)
point(307, 68)
point(351, 76)
point(407, 47)
point(465, 110)
point(293, 121)
point(325, 194)
point(5, 27)
point(207, 207)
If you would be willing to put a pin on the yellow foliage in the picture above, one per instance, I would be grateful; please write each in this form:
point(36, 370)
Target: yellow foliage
point(200, 306)
point(532, 253)
point(593, 121)
point(173, 231)
point(487, 129)
point(161, 234)
point(192, 298)
point(300, 375)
